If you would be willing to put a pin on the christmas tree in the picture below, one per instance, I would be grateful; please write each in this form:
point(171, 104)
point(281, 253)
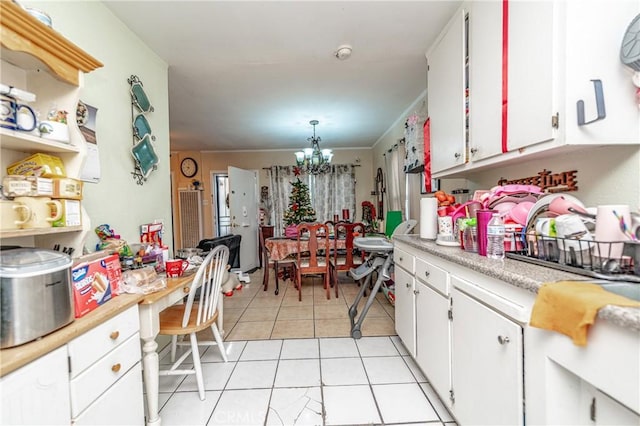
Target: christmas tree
point(300, 209)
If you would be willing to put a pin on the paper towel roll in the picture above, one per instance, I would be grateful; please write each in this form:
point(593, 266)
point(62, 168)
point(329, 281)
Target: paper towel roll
point(428, 218)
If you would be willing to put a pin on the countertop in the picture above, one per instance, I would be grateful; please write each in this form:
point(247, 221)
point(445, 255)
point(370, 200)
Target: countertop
point(520, 274)
point(13, 358)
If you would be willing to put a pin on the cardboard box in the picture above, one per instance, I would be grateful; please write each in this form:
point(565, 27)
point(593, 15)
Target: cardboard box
point(71, 214)
point(27, 186)
point(96, 279)
point(39, 164)
point(68, 188)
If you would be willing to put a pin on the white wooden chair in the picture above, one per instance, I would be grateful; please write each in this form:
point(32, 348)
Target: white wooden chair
point(194, 316)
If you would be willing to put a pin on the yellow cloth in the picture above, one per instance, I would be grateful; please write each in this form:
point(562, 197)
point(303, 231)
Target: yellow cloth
point(570, 307)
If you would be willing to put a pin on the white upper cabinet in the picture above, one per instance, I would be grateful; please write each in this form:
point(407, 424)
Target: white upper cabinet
point(485, 79)
point(446, 82)
point(557, 55)
point(593, 33)
point(530, 95)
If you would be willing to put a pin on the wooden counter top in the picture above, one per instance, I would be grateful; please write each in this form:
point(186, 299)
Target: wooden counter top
point(13, 358)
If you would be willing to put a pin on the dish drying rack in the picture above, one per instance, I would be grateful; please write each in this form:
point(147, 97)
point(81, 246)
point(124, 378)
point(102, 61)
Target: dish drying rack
point(609, 260)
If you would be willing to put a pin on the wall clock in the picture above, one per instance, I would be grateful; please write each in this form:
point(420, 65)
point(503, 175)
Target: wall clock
point(189, 167)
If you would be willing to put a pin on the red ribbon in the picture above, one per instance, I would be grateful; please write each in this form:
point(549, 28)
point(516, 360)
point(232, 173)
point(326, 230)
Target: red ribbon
point(427, 154)
point(505, 70)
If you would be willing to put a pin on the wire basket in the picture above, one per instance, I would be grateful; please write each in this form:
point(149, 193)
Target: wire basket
point(592, 258)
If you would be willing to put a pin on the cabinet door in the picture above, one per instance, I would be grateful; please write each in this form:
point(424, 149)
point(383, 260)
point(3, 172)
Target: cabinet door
point(433, 344)
point(531, 96)
point(597, 408)
point(485, 79)
point(122, 404)
point(37, 393)
point(599, 27)
point(487, 370)
point(446, 97)
point(405, 309)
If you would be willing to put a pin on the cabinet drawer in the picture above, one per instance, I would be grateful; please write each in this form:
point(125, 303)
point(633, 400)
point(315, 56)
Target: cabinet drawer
point(403, 259)
point(85, 350)
point(92, 382)
point(432, 275)
point(121, 404)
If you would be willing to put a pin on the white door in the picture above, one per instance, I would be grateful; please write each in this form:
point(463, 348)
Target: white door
point(243, 209)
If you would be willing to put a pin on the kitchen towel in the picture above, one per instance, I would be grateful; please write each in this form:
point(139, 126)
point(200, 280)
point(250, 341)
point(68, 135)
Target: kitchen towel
point(428, 218)
point(570, 307)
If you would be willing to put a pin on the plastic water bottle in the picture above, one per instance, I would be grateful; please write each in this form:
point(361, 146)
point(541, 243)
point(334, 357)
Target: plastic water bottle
point(495, 237)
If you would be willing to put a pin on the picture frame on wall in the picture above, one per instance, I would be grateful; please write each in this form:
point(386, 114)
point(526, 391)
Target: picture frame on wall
point(435, 184)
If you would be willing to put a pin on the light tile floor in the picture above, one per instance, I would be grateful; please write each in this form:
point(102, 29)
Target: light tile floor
point(279, 373)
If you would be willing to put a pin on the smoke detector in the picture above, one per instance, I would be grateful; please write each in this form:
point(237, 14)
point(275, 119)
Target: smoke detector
point(343, 52)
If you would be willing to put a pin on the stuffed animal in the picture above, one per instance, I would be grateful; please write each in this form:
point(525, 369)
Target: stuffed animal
point(230, 282)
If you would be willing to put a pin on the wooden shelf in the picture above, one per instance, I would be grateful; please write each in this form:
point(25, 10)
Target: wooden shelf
point(38, 231)
point(21, 32)
point(25, 142)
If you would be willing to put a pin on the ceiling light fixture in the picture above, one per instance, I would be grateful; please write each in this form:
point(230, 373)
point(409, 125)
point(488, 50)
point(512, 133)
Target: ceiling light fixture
point(314, 160)
point(344, 52)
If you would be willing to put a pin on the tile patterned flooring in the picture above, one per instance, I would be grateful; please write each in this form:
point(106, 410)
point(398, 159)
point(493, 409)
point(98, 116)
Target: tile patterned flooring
point(294, 363)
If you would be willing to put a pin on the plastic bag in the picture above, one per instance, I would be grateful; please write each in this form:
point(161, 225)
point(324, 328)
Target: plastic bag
point(142, 281)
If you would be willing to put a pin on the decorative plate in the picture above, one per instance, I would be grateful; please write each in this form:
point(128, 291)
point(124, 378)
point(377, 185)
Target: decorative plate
point(141, 127)
point(145, 155)
point(139, 98)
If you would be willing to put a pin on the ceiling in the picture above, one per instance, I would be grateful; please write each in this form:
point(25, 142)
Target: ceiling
point(250, 75)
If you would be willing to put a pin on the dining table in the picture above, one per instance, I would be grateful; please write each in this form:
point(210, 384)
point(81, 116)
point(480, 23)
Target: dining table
point(281, 248)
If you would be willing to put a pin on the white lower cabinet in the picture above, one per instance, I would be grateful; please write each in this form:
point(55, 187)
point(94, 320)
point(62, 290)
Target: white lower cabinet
point(433, 342)
point(94, 379)
point(106, 360)
point(121, 404)
point(38, 393)
point(405, 309)
point(596, 408)
point(487, 358)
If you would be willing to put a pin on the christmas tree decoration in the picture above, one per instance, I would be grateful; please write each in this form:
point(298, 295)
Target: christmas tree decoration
point(300, 209)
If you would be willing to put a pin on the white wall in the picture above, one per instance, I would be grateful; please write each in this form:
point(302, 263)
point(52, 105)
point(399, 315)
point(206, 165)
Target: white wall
point(117, 199)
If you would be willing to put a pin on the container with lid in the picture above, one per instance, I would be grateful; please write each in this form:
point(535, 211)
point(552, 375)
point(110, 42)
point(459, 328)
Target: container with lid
point(35, 294)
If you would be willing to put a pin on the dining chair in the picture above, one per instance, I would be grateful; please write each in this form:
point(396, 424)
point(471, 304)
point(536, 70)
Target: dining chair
point(197, 315)
point(315, 236)
point(347, 258)
point(284, 267)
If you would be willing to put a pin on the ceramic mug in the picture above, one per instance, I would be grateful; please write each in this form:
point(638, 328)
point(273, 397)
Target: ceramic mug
point(44, 211)
point(175, 267)
point(13, 215)
point(9, 110)
point(445, 225)
point(608, 221)
point(54, 130)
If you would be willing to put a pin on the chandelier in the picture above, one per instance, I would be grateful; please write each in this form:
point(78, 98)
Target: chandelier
point(314, 160)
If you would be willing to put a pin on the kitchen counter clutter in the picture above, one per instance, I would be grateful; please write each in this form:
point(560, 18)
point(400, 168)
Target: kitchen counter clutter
point(466, 321)
point(13, 358)
point(520, 274)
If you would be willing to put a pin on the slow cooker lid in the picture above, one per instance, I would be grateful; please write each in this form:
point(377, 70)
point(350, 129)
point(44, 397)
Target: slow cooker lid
point(29, 261)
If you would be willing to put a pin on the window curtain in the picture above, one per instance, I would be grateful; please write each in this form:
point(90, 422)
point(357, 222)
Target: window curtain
point(329, 192)
point(280, 178)
point(333, 192)
point(396, 188)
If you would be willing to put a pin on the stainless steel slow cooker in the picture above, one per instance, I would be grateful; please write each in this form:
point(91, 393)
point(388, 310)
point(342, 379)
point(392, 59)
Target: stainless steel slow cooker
point(36, 297)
